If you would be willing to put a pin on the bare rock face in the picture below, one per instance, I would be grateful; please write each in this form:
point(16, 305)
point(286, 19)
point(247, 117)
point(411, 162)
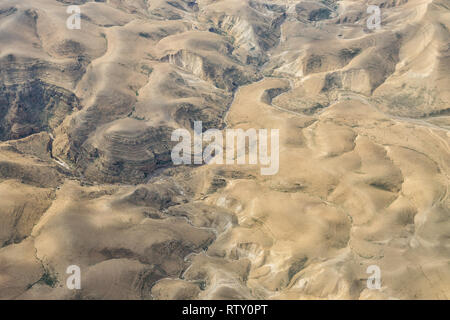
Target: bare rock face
point(33, 107)
point(126, 151)
point(206, 55)
point(86, 175)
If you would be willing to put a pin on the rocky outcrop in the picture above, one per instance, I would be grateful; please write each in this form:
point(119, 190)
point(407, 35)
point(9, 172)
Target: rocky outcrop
point(125, 151)
point(33, 107)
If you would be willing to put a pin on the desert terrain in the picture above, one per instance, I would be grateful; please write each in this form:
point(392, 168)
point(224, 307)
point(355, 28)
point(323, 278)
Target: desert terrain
point(87, 179)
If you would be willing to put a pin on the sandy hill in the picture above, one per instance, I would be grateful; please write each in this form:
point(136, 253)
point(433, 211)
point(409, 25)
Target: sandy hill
point(87, 179)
